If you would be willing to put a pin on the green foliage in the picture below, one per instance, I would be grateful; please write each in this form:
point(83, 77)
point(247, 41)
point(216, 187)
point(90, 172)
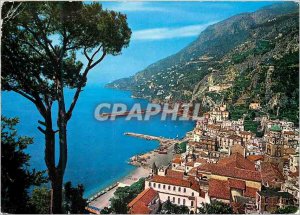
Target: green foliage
point(169, 208)
point(39, 47)
point(215, 207)
point(16, 176)
point(118, 205)
point(258, 38)
point(240, 57)
point(106, 210)
point(41, 200)
point(216, 97)
point(263, 46)
point(240, 85)
point(180, 148)
point(250, 125)
point(285, 80)
point(237, 112)
point(74, 201)
point(290, 209)
point(28, 47)
point(124, 195)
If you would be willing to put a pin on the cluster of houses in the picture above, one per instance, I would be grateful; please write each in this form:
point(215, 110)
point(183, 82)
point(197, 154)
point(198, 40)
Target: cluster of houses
point(224, 162)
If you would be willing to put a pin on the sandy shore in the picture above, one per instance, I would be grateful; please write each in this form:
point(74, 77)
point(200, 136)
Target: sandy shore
point(103, 201)
point(139, 172)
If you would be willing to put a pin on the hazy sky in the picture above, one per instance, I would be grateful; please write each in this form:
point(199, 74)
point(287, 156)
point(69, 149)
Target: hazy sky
point(161, 29)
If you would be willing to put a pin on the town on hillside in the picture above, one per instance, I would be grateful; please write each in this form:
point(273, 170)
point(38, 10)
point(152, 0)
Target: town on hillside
point(225, 163)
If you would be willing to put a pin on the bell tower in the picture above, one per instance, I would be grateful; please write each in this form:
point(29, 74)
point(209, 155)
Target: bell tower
point(274, 148)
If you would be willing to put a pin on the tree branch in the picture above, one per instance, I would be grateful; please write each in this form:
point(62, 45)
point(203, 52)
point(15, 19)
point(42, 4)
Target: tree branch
point(32, 46)
point(29, 97)
point(36, 37)
point(41, 130)
point(86, 54)
point(96, 52)
point(84, 76)
point(44, 36)
point(12, 12)
point(42, 123)
point(99, 60)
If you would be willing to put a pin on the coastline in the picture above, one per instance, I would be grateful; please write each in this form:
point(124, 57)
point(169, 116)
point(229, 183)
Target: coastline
point(103, 200)
point(141, 170)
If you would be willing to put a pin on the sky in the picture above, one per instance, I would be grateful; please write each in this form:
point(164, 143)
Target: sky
point(160, 29)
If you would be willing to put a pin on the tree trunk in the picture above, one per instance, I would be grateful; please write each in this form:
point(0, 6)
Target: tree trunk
point(62, 163)
point(56, 204)
point(56, 174)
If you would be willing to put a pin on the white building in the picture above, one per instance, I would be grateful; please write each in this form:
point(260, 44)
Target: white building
point(178, 191)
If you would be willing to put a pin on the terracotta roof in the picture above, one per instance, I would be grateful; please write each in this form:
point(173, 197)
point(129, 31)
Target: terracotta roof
point(174, 174)
point(193, 184)
point(171, 181)
point(238, 184)
point(237, 160)
point(270, 173)
point(196, 187)
point(255, 157)
point(214, 127)
point(144, 197)
point(250, 192)
point(218, 189)
point(191, 163)
point(207, 167)
point(289, 132)
point(193, 171)
point(200, 160)
point(294, 174)
point(238, 173)
point(235, 166)
point(176, 160)
point(140, 208)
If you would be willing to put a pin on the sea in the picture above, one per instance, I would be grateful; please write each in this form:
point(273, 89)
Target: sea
point(98, 151)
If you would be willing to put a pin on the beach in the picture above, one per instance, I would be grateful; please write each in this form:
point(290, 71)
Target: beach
point(140, 172)
point(103, 201)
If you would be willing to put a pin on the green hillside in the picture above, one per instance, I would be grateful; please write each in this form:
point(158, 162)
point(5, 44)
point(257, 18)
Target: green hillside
point(232, 60)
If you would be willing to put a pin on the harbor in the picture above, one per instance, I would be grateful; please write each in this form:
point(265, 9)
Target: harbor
point(161, 140)
point(161, 156)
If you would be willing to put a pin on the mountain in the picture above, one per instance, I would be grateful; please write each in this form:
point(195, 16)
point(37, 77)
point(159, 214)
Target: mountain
point(245, 58)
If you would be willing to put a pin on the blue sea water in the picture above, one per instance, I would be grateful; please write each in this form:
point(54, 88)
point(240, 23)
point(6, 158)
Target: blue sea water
point(97, 151)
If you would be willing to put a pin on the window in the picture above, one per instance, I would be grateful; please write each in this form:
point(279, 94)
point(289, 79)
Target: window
point(174, 199)
point(192, 203)
point(192, 193)
point(158, 186)
point(183, 201)
point(178, 200)
point(179, 189)
point(149, 183)
point(169, 198)
point(154, 185)
point(174, 188)
point(184, 190)
point(169, 187)
point(164, 186)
